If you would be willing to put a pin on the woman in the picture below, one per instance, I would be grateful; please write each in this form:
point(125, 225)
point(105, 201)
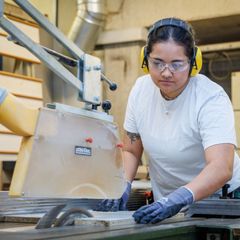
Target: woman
point(185, 125)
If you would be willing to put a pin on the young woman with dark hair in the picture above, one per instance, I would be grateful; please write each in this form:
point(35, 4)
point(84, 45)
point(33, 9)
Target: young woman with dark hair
point(183, 121)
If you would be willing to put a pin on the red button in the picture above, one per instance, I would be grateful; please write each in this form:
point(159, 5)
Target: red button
point(120, 145)
point(89, 140)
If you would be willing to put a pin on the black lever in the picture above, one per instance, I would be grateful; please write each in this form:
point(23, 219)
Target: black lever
point(112, 85)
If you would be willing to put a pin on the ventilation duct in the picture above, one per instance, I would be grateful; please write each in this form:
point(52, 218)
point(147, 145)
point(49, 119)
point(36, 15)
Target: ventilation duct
point(91, 15)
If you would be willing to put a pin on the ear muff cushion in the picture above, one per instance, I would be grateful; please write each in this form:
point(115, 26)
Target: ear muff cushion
point(197, 63)
point(143, 60)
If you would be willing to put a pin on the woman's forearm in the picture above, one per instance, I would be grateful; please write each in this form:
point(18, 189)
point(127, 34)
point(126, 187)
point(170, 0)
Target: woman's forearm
point(216, 173)
point(130, 165)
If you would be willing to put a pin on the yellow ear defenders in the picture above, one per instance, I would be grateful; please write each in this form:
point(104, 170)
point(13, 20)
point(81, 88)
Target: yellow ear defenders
point(196, 60)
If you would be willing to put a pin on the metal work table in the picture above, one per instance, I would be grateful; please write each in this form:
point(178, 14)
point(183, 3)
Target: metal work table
point(186, 228)
point(179, 230)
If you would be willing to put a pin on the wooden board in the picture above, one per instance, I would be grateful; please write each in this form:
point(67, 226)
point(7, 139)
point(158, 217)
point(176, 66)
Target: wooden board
point(237, 126)
point(9, 143)
point(142, 172)
point(30, 30)
point(1, 175)
point(8, 157)
point(9, 49)
point(18, 84)
point(119, 218)
point(107, 218)
point(238, 152)
point(235, 90)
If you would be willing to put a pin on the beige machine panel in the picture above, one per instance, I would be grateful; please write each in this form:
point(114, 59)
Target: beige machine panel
point(69, 156)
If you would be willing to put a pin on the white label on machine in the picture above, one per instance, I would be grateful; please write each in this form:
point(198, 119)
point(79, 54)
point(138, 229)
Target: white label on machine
point(85, 151)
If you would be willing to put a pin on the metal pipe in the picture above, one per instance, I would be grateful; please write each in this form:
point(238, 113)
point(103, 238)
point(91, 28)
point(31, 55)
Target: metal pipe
point(91, 15)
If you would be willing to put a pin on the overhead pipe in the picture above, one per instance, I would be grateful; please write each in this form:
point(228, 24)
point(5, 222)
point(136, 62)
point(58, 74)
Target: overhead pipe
point(89, 21)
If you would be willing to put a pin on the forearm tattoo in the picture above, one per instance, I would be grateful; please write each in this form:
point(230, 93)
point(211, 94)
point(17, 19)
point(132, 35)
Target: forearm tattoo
point(133, 136)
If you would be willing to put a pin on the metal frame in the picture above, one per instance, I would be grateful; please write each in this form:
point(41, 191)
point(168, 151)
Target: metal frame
point(89, 95)
point(37, 50)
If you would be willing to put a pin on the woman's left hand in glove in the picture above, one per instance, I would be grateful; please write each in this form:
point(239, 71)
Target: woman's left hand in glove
point(165, 207)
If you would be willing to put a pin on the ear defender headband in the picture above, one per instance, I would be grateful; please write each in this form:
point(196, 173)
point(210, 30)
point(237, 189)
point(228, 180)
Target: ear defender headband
point(196, 59)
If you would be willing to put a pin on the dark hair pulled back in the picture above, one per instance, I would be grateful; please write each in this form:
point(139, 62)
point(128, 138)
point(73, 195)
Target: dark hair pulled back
point(181, 36)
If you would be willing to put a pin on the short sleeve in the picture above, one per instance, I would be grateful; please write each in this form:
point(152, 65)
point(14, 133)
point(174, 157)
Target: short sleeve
point(130, 120)
point(216, 121)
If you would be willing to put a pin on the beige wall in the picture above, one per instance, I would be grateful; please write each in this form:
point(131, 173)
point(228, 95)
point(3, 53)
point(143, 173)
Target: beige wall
point(136, 13)
point(139, 13)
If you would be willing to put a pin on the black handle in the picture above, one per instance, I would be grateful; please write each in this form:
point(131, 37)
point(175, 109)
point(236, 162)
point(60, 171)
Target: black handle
point(112, 85)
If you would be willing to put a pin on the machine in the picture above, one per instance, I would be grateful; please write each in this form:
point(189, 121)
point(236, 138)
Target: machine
point(79, 148)
point(78, 154)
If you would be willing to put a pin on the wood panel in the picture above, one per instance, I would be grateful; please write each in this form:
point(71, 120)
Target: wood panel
point(235, 90)
point(237, 125)
point(9, 49)
point(30, 30)
point(15, 12)
point(238, 152)
point(20, 85)
point(1, 174)
point(9, 143)
point(8, 157)
point(26, 89)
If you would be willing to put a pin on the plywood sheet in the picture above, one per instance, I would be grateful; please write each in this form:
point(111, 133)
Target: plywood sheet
point(9, 143)
point(238, 152)
point(119, 218)
point(8, 157)
point(107, 218)
point(1, 175)
point(235, 90)
point(30, 30)
point(237, 126)
point(20, 85)
point(8, 48)
point(142, 172)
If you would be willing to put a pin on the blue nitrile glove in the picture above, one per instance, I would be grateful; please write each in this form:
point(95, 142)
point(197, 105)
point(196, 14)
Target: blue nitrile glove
point(3, 94)
point(165, 207)
point(113, 205)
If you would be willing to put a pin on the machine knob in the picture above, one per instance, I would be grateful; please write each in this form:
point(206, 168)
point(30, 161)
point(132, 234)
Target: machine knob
point(113, 86)
point(106, 105)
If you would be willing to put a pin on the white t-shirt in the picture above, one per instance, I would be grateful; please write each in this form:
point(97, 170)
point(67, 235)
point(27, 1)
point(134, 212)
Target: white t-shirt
point(175, 133)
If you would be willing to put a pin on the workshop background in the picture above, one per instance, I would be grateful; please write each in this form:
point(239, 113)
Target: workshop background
point(115, 31)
